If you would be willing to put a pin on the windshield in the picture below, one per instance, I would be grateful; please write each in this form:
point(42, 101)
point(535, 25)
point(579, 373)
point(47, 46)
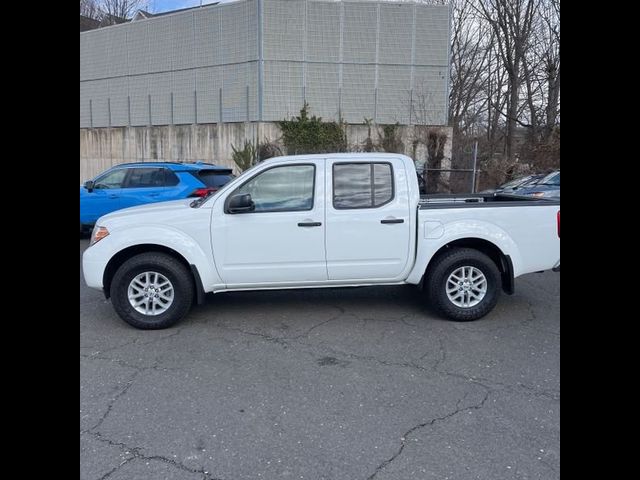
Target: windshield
point(516, 182)
point(551, 179)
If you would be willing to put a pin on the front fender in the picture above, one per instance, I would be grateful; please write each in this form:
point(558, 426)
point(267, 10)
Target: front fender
point(96, 258)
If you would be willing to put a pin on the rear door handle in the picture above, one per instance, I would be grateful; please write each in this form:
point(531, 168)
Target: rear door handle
point(309, 224)
point(392, 220)
point(154, 194)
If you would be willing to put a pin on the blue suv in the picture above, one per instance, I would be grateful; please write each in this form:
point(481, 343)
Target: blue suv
point(131, 184)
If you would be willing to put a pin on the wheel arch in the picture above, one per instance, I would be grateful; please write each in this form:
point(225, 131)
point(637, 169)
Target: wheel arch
point(502, 260)
point(129, 252)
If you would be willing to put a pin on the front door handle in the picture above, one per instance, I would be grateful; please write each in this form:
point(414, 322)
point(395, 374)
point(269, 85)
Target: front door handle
point(392, 220)
point(113, 195)
point(309, 224)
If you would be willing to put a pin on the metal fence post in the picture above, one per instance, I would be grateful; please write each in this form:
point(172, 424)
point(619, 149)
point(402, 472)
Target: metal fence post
point(340, 60)
point(149, 105)
point(475, 161)
point(377, 66)
point(109, 110)
point(247, 103)
point(128, 110)
point(260, 5)
point(171, 108)
point(90, 114)
point(305, 24)
point(220, 105)
point(375, 105)
point(195, 106)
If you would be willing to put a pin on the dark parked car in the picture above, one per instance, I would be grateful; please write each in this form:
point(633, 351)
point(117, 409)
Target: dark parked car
point(132, 184)
point(513, 186)
point(547, 187)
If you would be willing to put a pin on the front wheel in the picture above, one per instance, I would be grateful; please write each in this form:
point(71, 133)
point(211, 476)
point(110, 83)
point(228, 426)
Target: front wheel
point(152, 291)
point(463, 284)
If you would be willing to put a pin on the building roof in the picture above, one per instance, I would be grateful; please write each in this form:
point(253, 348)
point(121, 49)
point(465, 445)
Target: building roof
point(87, 23)
point(107, 20)
point(143, 14)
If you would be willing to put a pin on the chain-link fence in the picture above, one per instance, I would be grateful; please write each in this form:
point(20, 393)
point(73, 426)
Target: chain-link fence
point(462, 177)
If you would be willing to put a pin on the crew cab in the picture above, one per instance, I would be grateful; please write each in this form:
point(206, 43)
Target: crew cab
point(330, 220)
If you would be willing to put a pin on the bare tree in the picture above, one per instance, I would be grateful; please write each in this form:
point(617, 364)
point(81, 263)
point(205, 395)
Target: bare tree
point(470, 50)
point(90, 9)
point(505, 84)
point(551, 62)
point(511, 22)
point(124, 9)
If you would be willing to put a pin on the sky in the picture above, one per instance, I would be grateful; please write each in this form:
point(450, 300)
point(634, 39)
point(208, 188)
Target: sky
point(158, 6)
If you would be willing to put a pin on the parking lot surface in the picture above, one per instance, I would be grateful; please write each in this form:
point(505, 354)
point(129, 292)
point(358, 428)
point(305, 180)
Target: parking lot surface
point(354, 384)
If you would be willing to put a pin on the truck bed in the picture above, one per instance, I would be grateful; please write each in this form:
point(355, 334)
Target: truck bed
point(529, 234)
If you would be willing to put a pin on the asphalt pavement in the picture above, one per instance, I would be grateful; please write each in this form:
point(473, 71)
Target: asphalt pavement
point(353, 384)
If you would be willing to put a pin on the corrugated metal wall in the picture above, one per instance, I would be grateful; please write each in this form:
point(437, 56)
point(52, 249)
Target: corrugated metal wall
point(354, 59)
point(172, 69)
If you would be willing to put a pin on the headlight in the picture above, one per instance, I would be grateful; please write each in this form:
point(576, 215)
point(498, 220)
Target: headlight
point(98, 234)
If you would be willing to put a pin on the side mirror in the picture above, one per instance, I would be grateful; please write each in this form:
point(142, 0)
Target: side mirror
point(241, 203)
point(89, 185)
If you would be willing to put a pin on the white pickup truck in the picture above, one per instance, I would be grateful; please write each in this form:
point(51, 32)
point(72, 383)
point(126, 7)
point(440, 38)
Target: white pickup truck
point(332, 220)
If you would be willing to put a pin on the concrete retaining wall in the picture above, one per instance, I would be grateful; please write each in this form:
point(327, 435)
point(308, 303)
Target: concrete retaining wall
point(101, 148)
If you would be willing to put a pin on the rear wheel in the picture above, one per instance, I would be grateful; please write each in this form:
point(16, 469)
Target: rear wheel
point(463, 284)
point(152, 291)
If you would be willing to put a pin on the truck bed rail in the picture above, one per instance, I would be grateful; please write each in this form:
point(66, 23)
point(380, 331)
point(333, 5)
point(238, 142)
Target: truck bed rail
point(439, 200)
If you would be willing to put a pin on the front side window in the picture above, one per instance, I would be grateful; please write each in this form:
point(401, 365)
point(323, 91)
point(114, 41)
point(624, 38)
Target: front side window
point(146, 177)
point(362, 185)
point(113, 179)
point(281, 189)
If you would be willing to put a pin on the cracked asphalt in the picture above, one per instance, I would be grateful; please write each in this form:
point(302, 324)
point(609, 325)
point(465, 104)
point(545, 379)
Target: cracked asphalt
point(354, 384)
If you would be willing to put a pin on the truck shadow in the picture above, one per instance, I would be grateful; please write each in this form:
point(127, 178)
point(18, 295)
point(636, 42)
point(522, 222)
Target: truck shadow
point(374, 303)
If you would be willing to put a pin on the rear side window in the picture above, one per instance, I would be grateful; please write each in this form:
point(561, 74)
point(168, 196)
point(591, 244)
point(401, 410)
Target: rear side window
point(214, 178)
point(362, 185)
point(170, 178)
point(146, 177)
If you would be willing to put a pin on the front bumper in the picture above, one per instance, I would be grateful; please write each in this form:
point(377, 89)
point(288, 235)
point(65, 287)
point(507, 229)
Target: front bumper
point(93, 266)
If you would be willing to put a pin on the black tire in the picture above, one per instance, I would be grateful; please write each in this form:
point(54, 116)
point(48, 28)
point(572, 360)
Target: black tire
point(172, 269)
point(444, 265)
